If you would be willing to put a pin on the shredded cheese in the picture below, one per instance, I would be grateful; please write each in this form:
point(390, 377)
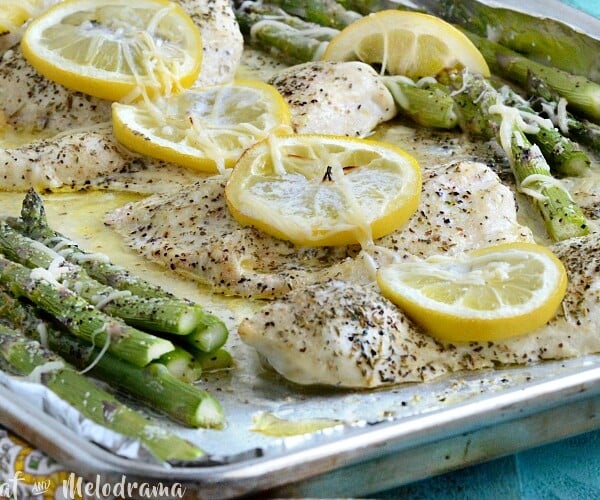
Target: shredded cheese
point(533, 184)
point(100, 301)
point(561, 116)
point(42, 331)
point(426, 80)
point(101, 353)
point(53, 274)
point(36, 374)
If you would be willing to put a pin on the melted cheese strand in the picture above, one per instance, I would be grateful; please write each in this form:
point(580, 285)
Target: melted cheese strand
point(562, 121)
point(101, 353)
point(36, 374)
point(533, 184)
point(100, 301)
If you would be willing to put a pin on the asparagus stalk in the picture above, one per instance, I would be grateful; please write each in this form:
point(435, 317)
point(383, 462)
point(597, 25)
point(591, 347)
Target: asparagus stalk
point(152, 384)
point(287, 36)
point(79, 317)
point(21, 316)
point(34, 224)
point(540, 38)
point(209, 338)
point(157, 314)
point(429, 105)
point(481, 112)
point(298, 41)
point(581, 93)
point(365, 7)
point(545, 100)
point(27, 357)
point(220, 359)
point(182, 365)
point(564, 156)
point(324, 12)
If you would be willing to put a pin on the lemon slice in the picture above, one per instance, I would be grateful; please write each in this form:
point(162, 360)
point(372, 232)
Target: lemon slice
point(13, 15)
point(316, 190)
point(488, 294)
point(406, 43)
point(109, 48)
point(205, 129)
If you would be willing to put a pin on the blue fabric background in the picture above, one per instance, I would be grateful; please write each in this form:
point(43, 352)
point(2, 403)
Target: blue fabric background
point(589, 6)
point(566, 470)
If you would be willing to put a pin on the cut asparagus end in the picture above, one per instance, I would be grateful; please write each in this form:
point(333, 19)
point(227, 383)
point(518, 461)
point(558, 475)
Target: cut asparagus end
point(24, 356)
point(210, 337)
point(209, 414)
point(182, 365)
point(221, 359)
point(429, 107)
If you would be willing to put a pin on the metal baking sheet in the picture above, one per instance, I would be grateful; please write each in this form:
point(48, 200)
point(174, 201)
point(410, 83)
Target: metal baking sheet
point(385, 437)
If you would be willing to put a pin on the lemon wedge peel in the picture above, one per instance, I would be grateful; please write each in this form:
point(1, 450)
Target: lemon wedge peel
point(488, 294)
point(205, 129)
point(320, 190)
point(115, 49)
point(406, 43)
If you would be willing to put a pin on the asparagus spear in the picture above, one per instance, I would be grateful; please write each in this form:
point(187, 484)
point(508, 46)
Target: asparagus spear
point(564, 156)
point(545, 100)
point(582, 94)
point(430, 105)
point(157, 314)
point(81, 318)
point(27, 356)
point(33, 223)
point(324, 12)
point(481, 112)
point(275, 31)
point(540, 38)
point(152, 384)
point(220, 359)
point(298, 41)
point(182, 365)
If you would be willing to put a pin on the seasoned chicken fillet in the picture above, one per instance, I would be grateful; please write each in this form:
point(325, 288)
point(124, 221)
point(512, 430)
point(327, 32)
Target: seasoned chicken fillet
point(340, 98)
point(346, 335)
point(86, 159)
point(30, 102)
point(222, 41)
point(464, 206)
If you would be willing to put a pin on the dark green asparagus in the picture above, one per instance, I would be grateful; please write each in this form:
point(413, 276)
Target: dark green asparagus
point(482, 113)
point(33, 223)
point(152, 384)
point(79, 317)
point(545, 100)
point(582, 94)
point(156, 314)
point(26, 356)
point(564, 156)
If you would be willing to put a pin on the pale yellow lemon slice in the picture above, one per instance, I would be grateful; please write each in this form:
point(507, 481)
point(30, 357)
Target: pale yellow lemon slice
point(488, 294)
point(319, 190)
point(111, 48)
point(205, 129)
point(412, 44)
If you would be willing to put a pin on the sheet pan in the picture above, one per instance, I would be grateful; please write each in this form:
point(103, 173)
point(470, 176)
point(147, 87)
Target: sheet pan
point(384, 438)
